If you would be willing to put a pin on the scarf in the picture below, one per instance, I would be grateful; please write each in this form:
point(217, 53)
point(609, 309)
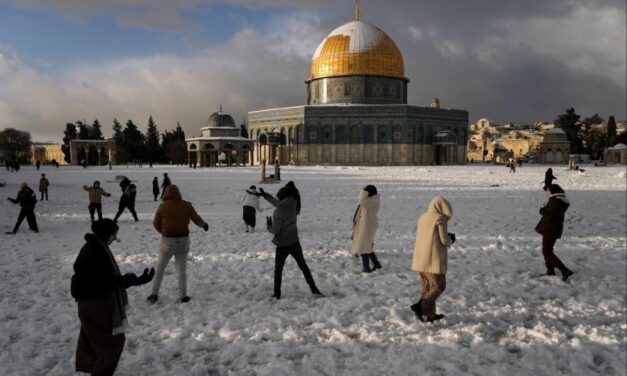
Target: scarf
point(120, 298)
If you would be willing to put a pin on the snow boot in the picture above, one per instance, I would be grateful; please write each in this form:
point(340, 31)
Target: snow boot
point(185, 299)
point(566, 273)
point(276, 296)
point(417, 310)
point(435, 317)
point(152, 298)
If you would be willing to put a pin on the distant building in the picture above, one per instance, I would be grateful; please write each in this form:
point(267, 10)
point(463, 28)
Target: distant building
point(93, 152)
point(46, 152)
point(616, 154)
point(554, 148)
point(219, 138)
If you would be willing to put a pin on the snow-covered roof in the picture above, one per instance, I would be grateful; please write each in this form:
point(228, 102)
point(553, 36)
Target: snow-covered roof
point(619, 146)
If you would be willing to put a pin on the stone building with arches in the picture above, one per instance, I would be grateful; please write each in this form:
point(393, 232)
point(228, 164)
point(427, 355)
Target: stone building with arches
point(219, 138)
point(93, 152)
point(356, 111)
point(554, 148)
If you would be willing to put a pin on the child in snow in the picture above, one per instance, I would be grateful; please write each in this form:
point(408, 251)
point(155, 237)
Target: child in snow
point(27, 200)
point(127, 201)
point(155, 187)
point(43, 186)
point(365, 224)
point(431, 256)
point(95, 199)
point(250, 199)
point(100, 291)
point(283, 226)
point(171, 221)
point(551, 227)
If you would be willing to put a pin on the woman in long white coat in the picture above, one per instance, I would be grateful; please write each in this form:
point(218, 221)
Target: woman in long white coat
point(365, 224)
point(431, 256)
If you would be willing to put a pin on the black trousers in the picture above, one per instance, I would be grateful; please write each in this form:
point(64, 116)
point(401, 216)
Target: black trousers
point(93, 207)
point(121, 210)
point(250, 217)
point(296, 251)
point(44, 191)
point(365, 259)
point(29, 214)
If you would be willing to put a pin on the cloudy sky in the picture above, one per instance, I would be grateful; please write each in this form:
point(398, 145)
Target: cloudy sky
point(510, 61)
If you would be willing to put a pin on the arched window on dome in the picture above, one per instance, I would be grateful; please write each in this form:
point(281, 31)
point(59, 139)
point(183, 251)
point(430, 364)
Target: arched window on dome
point(397, 134)
point(327, 135)
point(354, 136)
point(312, 134)
point(340, 135)
point(383, 134)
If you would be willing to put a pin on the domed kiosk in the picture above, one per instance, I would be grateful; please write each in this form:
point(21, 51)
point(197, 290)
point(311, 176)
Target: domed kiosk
point(555, 147)
point(356, 111)
point(220, 141)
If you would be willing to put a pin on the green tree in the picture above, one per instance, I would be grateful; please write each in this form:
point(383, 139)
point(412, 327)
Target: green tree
point(133, 141)
point(153, 149)
point(83, 130)
point(96, 131)
point(590, 134)
point(570, 124)
point(69, 134)
point(118, 136)
point(611, 131)
point(15, 143)
point(243, 131)
point(174, 146)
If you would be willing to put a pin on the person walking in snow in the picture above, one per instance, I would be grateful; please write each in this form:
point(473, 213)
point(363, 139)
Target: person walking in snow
point(27, 200)
point(43, 187)
point(155, 187)
point(171, 221)
point(95, 199)
point(100, 292)
point(365, 224)
point(431, 256)
point(548, 178)
point(283, 226)
point(250, 199)
point(165, 183)
point(551, 227)
point(127, 201)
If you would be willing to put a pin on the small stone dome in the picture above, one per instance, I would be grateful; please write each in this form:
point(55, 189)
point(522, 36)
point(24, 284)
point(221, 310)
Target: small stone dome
point(220, 119)
point(555, 135)
point(620, 146)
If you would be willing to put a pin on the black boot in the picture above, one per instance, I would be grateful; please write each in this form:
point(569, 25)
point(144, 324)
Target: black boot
point(566, 273)
point(435, 317)
point(417, 310)
point(550, 271)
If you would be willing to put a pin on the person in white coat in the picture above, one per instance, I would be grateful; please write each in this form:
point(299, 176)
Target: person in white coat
point(250, 199)
point(365, 224)
point(431, 256)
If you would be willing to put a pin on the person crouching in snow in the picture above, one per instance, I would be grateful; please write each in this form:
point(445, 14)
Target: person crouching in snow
point(27, 200)
point(100, 291)
point(283, 225)
point(250, 199)
point(551, 227)
point(365, 224)
point(431, 256)
point(171, 221)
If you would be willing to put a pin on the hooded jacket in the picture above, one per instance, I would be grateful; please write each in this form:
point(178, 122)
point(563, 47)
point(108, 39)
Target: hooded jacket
point(174, 214)
point(93, 271)
point(432, 240)
point(283, 221)
point(552, 221)
point(365, 223)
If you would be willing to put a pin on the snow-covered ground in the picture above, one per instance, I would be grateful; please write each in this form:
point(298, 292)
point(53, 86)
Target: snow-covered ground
point(502, 318)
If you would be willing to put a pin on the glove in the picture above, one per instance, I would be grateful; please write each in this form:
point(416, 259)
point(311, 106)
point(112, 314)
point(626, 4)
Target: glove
point(452, 236)
point(145, 277)
point(206, 227)
point(128, 280)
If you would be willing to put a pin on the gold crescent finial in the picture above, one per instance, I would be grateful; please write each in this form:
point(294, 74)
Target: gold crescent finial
point(357, 11)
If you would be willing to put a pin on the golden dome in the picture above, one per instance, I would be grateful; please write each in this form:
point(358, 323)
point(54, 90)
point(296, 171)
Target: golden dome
point(357, 48)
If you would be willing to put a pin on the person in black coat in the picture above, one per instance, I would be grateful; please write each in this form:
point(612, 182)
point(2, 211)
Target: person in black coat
point(100, 291)
point(548, 178)
point(295, 194)
point(155, 188)
point(165, 183)
point(124, 183)
point(551, 227)
point(27, 200)
point(127, 201)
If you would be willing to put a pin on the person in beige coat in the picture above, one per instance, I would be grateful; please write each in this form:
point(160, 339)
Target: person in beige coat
point(431, 256)
point(365, 224)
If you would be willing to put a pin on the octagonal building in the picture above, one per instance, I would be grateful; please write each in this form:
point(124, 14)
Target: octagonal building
point(356, 111)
